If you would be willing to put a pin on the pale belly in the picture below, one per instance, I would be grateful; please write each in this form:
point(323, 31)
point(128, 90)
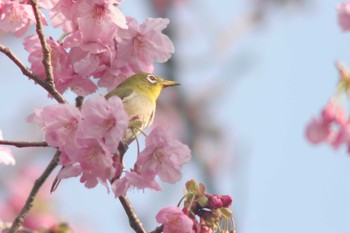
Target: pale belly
point(141, 114)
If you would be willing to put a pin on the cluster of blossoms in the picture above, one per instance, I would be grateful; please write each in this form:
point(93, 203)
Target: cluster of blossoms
point(89, 142)
point(100, 47)
point(99, 42)
point(332, 126)
point(202, 212)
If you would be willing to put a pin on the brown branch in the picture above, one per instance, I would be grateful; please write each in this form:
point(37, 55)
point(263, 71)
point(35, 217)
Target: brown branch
point(45, 47)
point(134, 221)
point(27, 72)
point(37, 185)
point(158, 229)
point(46, 54)
point(21, 144)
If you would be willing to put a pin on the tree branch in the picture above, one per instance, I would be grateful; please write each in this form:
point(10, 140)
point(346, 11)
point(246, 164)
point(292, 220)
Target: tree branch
point(134, 221)
point(37, 185)
point(46, 54)
point(45, 47)
point(21, 144)
point(158, 229)
point(27, 72)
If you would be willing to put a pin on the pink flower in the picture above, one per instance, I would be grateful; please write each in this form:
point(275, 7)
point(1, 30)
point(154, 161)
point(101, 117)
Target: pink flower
point(61, 15)
point(318, 131)
point(69, 171)
point(15, 17)
point(62, 64)
point(219, 201)
point(342, 136)
point(140, 45)
point(111, 78)
point(86, 139)
point(105, 120)
point(163, 156)
point(132, 179)
point(60, 123)
point(174, 220)
point(344, 15)
point(95, 161)
point(6, 156)
point(99, 14)
point(333, 112)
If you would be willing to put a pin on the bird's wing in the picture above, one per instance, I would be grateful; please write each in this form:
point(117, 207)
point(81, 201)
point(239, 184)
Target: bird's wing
point(121, 93)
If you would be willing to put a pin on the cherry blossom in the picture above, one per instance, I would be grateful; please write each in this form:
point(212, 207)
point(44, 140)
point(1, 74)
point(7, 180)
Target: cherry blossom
point(218, 201)
point(174, 220)
point(133, 180)
point(60, 123)
point(344, 15)
point(318, 131)
point(15, 17)
point(105, 120)
point(140, 45)
point(163, 156)
point(101, 14)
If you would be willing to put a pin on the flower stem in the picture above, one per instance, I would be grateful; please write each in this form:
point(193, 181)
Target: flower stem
point(134, 221)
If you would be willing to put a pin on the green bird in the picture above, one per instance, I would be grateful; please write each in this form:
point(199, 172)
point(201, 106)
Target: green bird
point(139, 94)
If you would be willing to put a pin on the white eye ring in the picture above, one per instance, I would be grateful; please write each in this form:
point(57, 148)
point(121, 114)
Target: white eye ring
point(151, 78)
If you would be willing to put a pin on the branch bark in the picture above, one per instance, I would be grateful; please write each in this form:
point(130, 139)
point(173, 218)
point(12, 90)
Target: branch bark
point(46, 54)
point(27, 72)
point(134, 221)
point(45, 47)
point(158, 229)
point(21, 144)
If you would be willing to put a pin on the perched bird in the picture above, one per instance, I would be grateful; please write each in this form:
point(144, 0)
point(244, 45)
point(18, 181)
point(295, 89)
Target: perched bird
point(139, 94)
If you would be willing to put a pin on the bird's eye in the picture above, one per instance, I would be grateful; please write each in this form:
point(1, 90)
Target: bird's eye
point(151, 78)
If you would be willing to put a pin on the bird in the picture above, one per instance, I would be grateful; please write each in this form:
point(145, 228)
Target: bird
point(139, 94)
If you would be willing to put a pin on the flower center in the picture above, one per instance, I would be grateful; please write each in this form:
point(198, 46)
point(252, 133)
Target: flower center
point(138, 42)
point(98, 12)
point(109, 123)
point(158, 155)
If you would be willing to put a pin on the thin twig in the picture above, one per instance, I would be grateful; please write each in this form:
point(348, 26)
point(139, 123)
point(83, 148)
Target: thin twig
point(27, 72)
point(37, 185)
point(45, 47)
point(21, 144)
point(134, 221)
point(46, 54)
point(158, 229)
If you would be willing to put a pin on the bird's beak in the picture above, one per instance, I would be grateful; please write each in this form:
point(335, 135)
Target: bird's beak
point(168, 83)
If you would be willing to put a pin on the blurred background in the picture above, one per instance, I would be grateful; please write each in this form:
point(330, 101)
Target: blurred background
point(253, 74)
